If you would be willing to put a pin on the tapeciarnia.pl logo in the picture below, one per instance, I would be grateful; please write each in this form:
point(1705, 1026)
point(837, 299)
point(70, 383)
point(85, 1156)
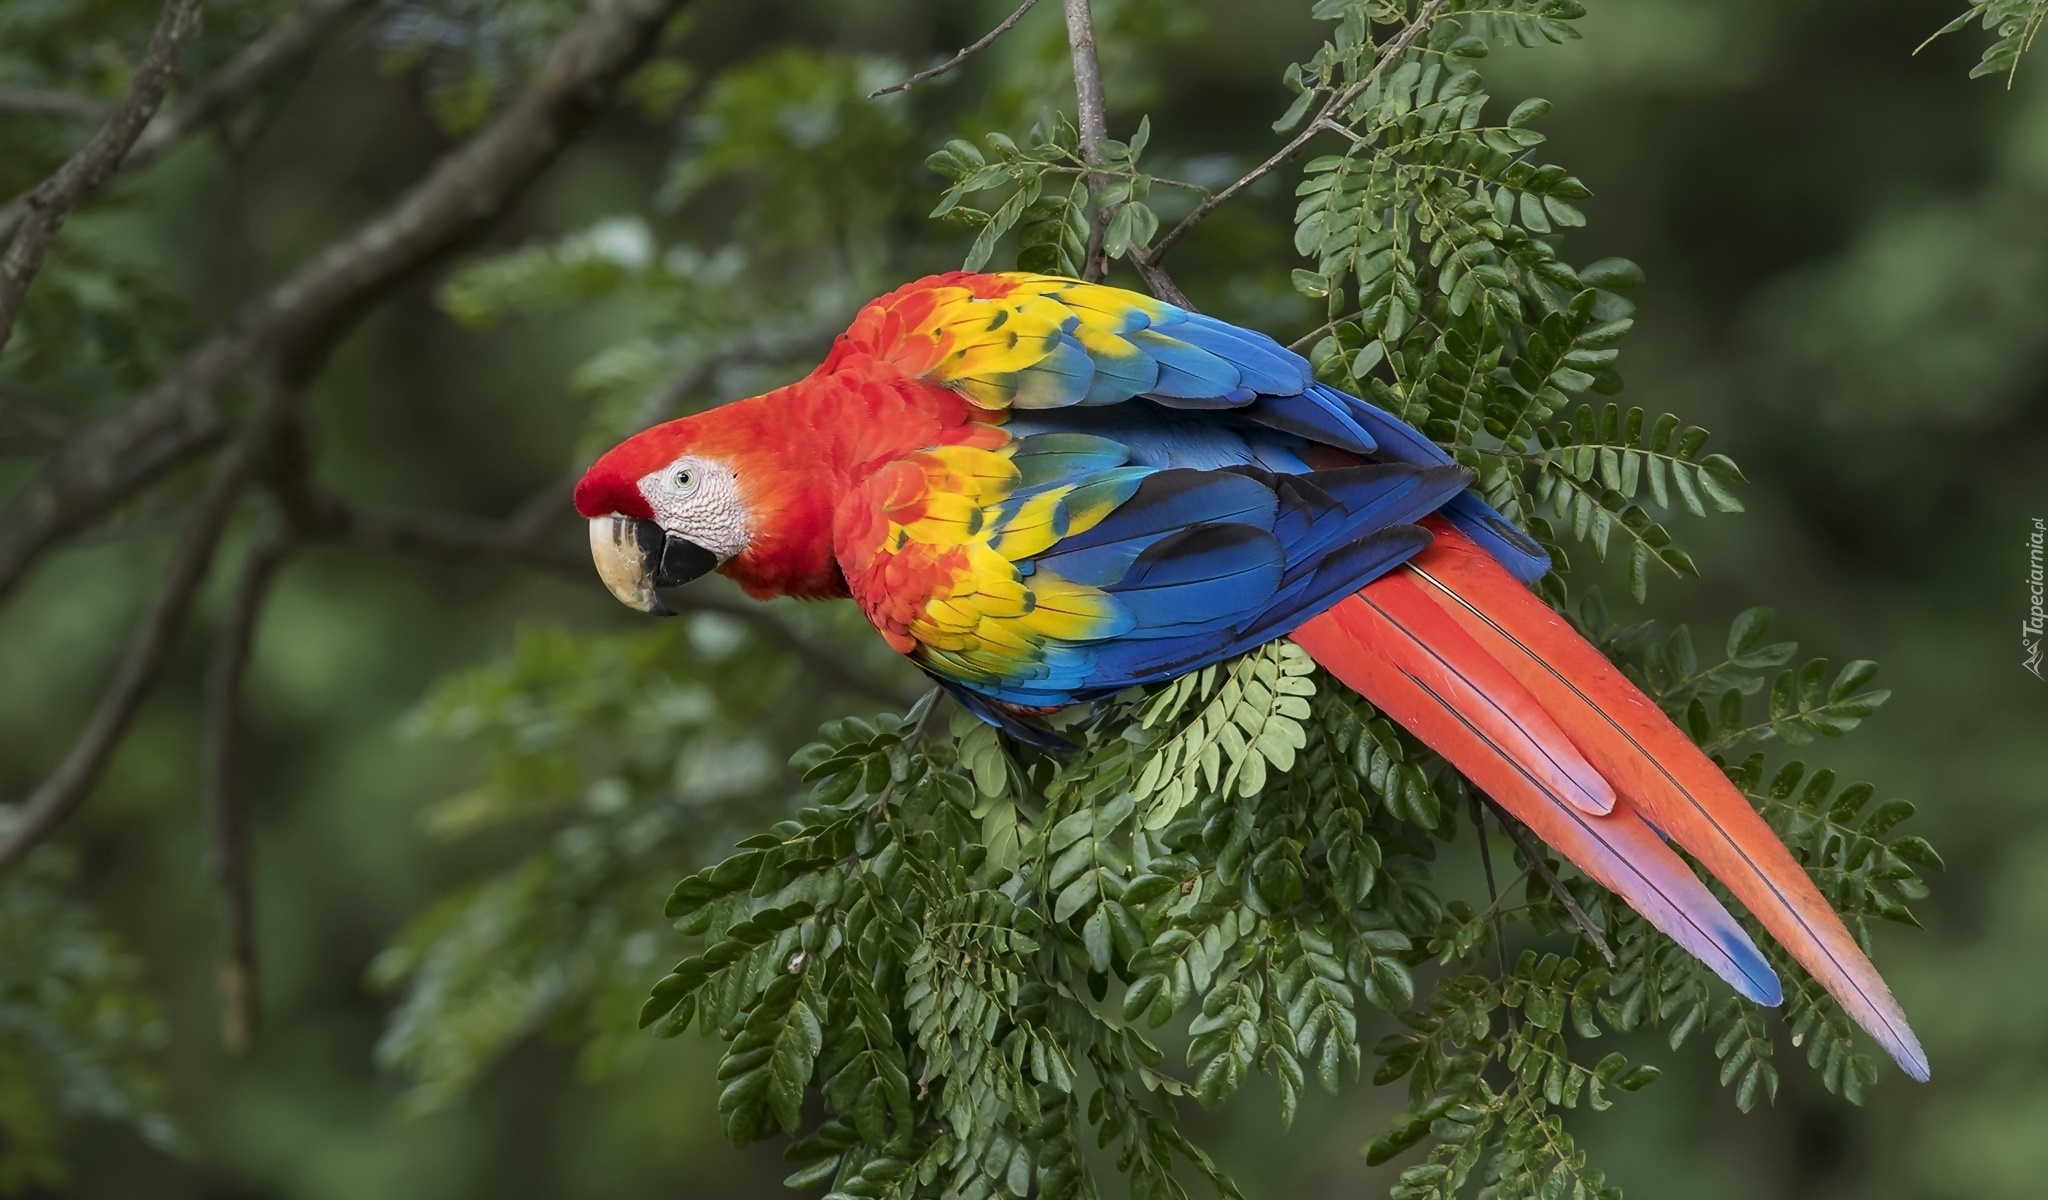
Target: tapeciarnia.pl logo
point(2030, 629)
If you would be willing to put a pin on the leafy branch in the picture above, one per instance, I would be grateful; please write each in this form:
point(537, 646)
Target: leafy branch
point(2013, 24)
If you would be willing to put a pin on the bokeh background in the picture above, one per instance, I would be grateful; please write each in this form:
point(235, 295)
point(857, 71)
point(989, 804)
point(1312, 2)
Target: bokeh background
point(1846, 249)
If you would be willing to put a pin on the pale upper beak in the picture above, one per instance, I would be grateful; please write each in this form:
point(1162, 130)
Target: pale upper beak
point(637, 558)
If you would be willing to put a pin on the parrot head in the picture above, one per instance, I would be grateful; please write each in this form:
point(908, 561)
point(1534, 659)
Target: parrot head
point(663, 511)
point(742, 490)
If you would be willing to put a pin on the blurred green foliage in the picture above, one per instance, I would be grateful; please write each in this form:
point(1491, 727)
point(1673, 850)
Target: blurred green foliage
point(76, 1030)
point(1840, 252)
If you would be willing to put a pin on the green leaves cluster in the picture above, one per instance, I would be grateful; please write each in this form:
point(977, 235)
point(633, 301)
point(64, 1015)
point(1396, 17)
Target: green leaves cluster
point(1041, 190)
point(1591, 471)
point(1709, 701)
point(1252, 719)
point(1507, 1129)
point(1433, 235)
point(957, 937)
point(2013, 26)
point(1002, 982)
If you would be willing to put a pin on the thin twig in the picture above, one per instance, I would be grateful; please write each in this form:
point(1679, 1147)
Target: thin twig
point(1505, 893)
point(278, 51)
point(298, 319)
point(67, 787)
point(1500, 931)
point(1314, 335)
point(50, 103)
point(966, 52)
point(1338, 101)
point(55, 197)
point(1091, 110)
point(1533, 855)
point(229, 859)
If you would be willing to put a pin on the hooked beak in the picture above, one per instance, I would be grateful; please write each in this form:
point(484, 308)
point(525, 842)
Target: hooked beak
point(635, 558)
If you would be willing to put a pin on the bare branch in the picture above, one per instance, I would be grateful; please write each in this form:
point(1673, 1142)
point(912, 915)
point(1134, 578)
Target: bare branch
point(73, 780)
point(1338, 101)
point(966, 52)
point(1533, 855)
point(45, 102)
point(1091, 108)
point(466, 190)
point(280, 49)
point(55, 197)
point(229, 860)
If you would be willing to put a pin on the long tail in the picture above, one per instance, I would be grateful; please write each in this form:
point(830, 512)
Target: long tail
point(1402, 652)
point(1440, 642)
point(1663, 775)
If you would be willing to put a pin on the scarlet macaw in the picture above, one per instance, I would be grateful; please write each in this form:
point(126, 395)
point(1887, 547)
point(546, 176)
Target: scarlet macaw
point(1044, 491)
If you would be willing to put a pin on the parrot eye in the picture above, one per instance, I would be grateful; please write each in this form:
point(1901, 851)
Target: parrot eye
point(685, 480)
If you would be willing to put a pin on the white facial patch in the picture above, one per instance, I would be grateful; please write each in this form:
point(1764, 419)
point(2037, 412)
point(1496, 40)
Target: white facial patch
point(698, 499)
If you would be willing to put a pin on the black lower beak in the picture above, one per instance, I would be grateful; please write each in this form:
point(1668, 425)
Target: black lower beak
point(677, 560)
point(634, 558)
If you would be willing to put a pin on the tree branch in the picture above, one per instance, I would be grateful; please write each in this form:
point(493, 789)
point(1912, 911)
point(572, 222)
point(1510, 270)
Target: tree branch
point(966, 52)
point(281, 48)
point(1091, 108)
point(268, 446)
point(1338, 101)
point(229, 860)
point(55, 197)
point(68, 786)
point(45, 102)
point(463, 192)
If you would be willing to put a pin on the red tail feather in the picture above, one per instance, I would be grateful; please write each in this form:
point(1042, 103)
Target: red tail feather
point(1659, 772)
point(1400, 651)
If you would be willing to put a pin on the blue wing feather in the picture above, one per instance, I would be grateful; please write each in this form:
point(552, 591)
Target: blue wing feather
point(1232, 520)
point(1199, 580)
point(1478, 520)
